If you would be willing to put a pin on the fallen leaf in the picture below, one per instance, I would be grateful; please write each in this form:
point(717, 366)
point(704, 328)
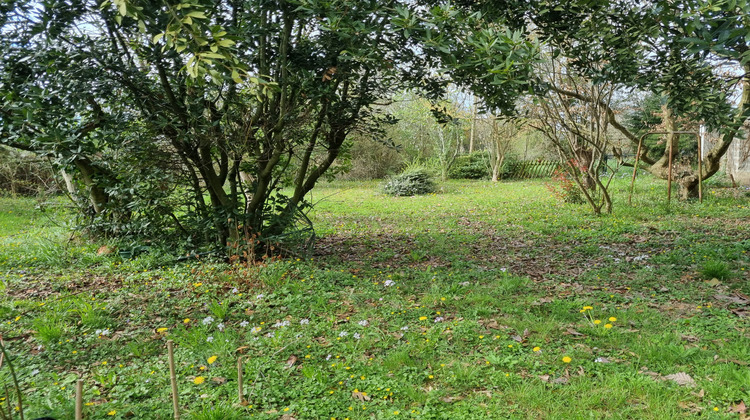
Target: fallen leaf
point(560, 381)
point(287, 417)
point(291, 361)
point(690, 406)
point(738, 299)
point(219, 380)
point(681, 378)
point(105, 250)
point(714, 282)
point(740, 408)
point(689, 338)
point(573, 332)
point(700, 394)
point(360, 396)
point(544, 378)
point(735, 361)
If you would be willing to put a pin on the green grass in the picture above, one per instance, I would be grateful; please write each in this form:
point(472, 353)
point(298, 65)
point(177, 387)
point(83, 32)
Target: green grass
point(464, 304)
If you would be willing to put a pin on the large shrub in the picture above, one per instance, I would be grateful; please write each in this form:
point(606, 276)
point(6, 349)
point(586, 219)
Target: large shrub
point(475, 165)
point(410, 182)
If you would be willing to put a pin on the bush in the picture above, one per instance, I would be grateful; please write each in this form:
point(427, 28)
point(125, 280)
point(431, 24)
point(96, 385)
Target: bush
point(475, 165)
point(411, 182)
point(564, 188)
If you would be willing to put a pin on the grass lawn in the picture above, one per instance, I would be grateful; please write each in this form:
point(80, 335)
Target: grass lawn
point(481, 301)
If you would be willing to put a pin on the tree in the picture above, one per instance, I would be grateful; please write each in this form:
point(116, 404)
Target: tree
point(192, 116)
point(498, 135)
point(579, 129)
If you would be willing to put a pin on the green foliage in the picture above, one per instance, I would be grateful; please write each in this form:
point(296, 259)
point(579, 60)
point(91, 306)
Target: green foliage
point(413, 181)
point(472, 166)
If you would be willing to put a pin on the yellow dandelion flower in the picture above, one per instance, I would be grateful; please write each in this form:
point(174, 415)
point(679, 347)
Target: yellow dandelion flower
point(431, 376)
point(211, 360)
point(588, 308)
point(597, 321)
point(422, 318)
point(608, 326)
point(112, 413)
point(186, 320)
point(481, 337)
point(161, 330)
point(536, 349)
point(567, 359)
point(612, 319)
point(199, 380)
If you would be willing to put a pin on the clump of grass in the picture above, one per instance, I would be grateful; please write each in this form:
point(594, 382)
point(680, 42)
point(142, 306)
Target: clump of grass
point(48, 330)
point(716, 269)
point(218, 412)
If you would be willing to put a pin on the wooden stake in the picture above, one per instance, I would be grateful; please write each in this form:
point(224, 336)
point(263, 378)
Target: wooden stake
point(79, 399)
point(700, 166)
point(240, 371)
point(173, 379)
point(669, 180)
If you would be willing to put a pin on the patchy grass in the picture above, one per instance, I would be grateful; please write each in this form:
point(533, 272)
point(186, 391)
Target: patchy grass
point(480, 301)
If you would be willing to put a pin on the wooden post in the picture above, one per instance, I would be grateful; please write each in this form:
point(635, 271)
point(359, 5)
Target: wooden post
point(240, 372)
point(700, 164)
point(669, 178)
point(79, 399)
point(173, 379)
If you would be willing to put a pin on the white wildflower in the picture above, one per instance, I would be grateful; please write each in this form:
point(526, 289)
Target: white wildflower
point(208, 320)
point(210, 339)
point(220, 326)
point(389, 283)
point(439, 319)
point(356, 336)
point(343, 334)
point(304, 321)
point(363, 323)
point(244, 324)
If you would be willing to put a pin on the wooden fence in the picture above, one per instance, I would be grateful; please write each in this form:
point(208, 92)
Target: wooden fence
point(530, 169)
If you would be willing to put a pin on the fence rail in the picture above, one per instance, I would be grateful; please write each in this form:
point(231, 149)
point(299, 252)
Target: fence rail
point(530, 169)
